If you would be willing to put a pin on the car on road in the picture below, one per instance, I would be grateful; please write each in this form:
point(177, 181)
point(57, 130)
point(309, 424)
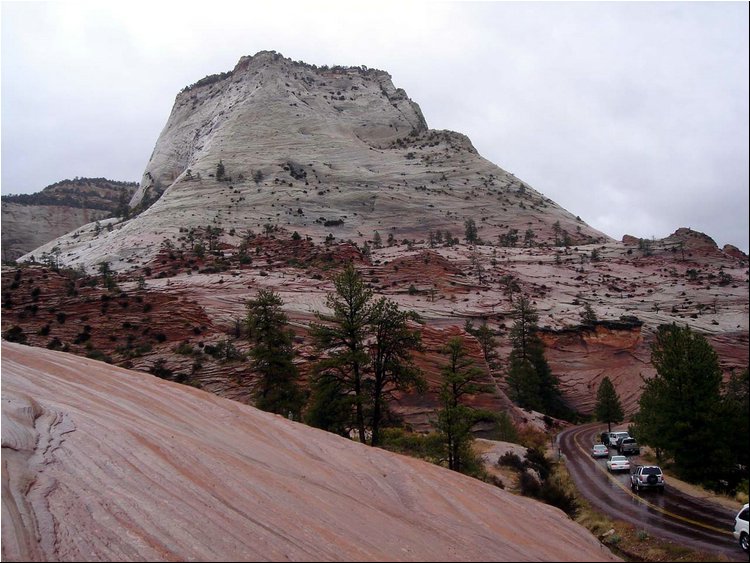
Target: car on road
point(647, 477)
point(614, 437)
point(740, 527)
point(628, 446)
point(599, 450)
point(618, 463)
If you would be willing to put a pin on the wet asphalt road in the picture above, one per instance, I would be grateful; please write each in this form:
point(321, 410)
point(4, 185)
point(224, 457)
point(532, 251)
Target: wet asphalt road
point(671, 515)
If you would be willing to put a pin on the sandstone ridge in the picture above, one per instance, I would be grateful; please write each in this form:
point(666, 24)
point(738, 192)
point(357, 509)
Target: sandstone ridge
point(101, 463)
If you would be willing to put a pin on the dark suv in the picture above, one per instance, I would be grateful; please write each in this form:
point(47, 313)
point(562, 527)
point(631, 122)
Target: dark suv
point(647, 477)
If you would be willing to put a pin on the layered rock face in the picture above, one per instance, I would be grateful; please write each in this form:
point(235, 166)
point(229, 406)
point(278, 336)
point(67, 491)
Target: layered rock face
point(321, 151)
point(29, 221)
point(101, 463)
point(276, 146)
point(26, 227)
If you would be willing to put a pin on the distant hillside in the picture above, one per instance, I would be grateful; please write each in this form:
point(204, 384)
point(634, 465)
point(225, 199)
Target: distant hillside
point(30, 220)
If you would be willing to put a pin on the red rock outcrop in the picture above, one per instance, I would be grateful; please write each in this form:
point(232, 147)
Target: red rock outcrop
point(104, 464)
point(582, 357)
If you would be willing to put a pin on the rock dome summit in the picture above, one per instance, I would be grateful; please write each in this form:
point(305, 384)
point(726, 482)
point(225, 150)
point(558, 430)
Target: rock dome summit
point(323, 151)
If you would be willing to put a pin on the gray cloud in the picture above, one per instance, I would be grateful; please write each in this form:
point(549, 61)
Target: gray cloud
point(632, 115)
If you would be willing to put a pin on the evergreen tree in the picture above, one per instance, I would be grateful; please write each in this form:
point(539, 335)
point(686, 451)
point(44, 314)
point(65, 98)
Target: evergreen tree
point(460, 377)
point(390, 354)
point(471, 233)
point(273, 356)
point(220, 171)
point(680, 408)
point(487, 341)
point(330, 405)
point(368, 355)
point(608, 407)
point(588, 316)
point(377, 240)
point(531, 382)
point(651, 419)
point(557, 229)
point(343, 337)
point(736, 401)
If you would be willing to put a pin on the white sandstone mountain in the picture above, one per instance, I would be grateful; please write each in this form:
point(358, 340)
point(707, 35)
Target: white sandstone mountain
point(318, 150)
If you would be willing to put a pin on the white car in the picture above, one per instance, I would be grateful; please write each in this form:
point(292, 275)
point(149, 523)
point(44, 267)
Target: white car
point(618, 463)
point(740, 528)
point(599, 450)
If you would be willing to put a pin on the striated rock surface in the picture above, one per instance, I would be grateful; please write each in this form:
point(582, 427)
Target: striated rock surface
point(31, 220)
point(322, 151)
point(312, 157)
point(104, 464)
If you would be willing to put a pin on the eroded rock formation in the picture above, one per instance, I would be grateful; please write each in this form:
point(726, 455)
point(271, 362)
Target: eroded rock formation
point(101, 463)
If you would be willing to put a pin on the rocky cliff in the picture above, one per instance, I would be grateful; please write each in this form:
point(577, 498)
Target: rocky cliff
point(276, 173)
point(31, 220)
point(324, 151)
point(105, 464)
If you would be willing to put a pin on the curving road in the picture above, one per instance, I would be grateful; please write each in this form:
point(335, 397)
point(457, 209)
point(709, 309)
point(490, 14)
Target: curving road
point(673, 515)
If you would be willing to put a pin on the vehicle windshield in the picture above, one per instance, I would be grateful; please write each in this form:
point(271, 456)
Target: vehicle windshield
point(619, 458)
point(651, 471)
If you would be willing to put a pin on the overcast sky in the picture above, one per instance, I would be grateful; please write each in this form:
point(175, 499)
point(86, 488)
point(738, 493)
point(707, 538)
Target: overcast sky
point(632, 115)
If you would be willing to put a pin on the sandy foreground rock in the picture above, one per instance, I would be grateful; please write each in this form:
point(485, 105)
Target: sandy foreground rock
point(102, 463)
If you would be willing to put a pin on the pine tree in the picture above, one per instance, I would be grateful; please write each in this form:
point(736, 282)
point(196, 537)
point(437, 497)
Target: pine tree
point(608, 407)
point(680, 408)
point(736, 400)
point(588, 316)
point(487, 341)
point(273, 356)
point(368, 350)
point(531, 382)
point(330, 405)
point(391, 360)
point(343, 337)
point(460, 377)
point(471, 234)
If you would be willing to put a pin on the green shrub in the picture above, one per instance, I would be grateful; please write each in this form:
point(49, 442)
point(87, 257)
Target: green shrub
point(15, 334)
point(423, 446)
point(510, 459)
point(184, 348)
point(95, 354)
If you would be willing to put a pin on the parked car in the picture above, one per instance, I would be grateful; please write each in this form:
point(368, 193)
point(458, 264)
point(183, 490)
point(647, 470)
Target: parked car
point(599, 450)
point(740, 527)
point(615, 436)
point(647, 477)
point(618, 463)
point(628, 446)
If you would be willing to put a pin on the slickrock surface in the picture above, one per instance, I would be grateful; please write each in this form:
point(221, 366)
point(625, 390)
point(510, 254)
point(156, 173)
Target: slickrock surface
point(101, 463)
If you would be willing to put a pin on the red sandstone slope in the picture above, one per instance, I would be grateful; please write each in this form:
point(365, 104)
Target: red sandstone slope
point(101, 463)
